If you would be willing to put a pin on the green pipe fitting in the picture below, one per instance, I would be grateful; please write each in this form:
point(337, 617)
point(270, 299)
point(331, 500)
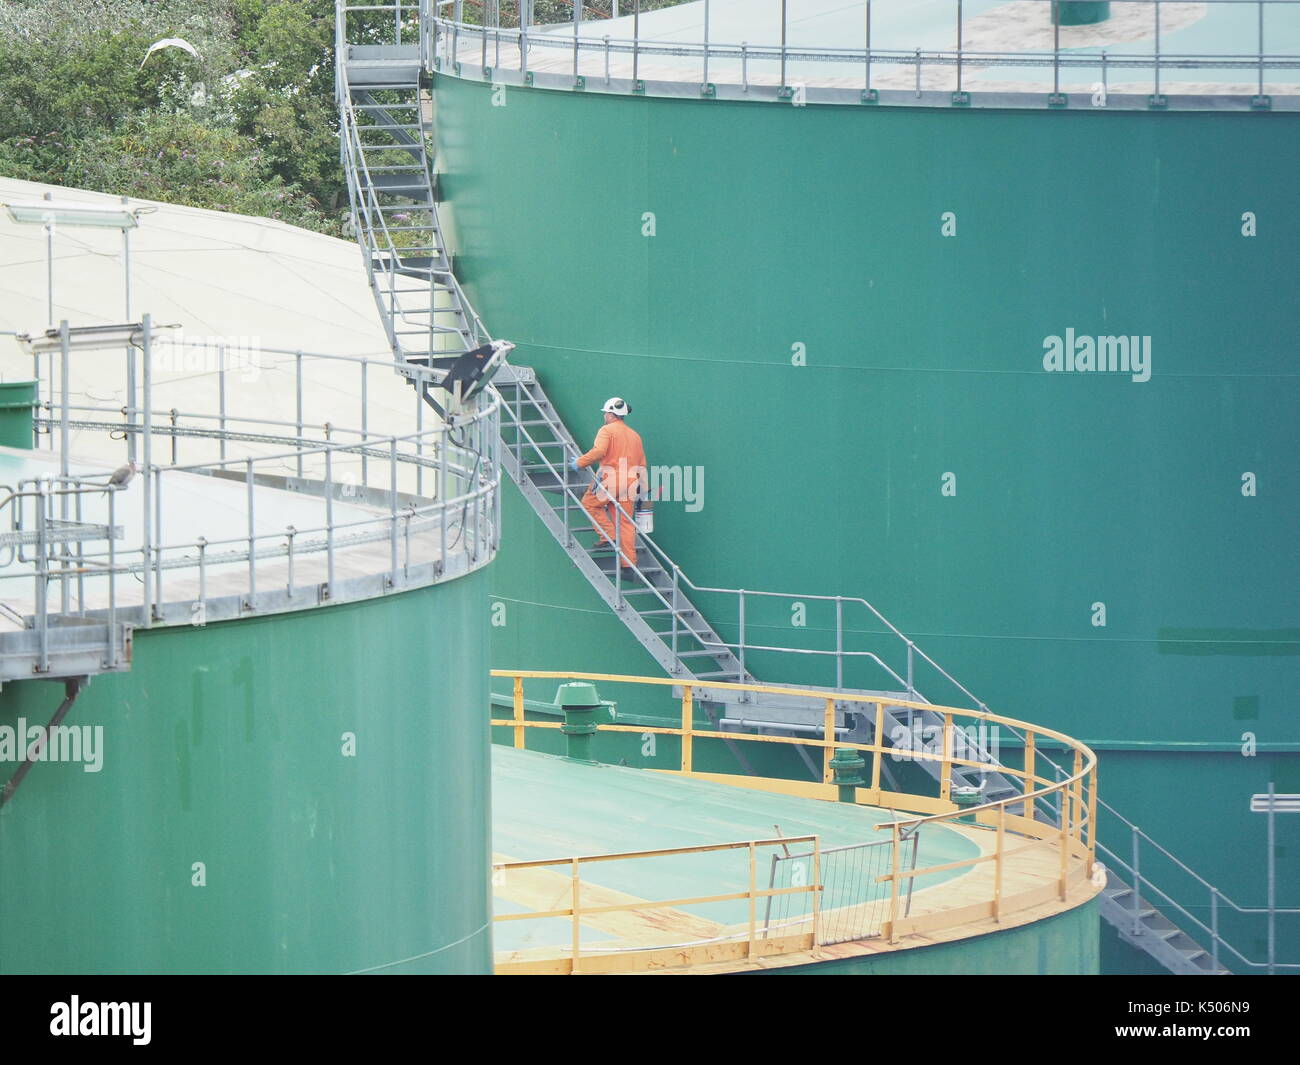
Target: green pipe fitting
point(847, 766)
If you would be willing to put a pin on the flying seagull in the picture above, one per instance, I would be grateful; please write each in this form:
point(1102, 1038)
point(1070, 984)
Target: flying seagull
point(169, 42)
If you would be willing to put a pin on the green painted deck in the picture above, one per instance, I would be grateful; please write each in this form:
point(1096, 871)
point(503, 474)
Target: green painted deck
point(544, 806)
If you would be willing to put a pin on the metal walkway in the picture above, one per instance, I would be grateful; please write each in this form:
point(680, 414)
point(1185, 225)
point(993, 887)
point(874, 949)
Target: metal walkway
point(386, 151)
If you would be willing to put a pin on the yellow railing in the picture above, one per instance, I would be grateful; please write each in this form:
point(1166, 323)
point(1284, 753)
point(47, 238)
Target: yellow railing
point(1033, 862)
point(746, 940)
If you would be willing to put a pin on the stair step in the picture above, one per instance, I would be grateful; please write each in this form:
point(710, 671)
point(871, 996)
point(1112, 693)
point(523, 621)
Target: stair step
point(699, 654)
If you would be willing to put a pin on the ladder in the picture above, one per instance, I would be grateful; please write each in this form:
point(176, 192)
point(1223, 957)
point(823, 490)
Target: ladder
point(385, 147)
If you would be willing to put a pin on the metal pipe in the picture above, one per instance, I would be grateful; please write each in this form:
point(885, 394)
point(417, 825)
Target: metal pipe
point(329, 521)
point(706, 42)
point(959, 21)
point(839, 642)
point(221, 397)
point(1157, 45)
point(1261, 48)
point(146, 548)
point(1272, 881)
point(392, 498)
point(867, 86)
point(290, 531)
point(365, 430)
point(130, 351)
point(158, 524)
point(252, 535)
point(298, 388)
point(636, 41)
point(783, 31)
point(42, 575)
point(112, 583)
point(1137, 882)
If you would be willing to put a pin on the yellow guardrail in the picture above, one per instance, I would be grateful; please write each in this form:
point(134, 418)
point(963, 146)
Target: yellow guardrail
point(1025, 861)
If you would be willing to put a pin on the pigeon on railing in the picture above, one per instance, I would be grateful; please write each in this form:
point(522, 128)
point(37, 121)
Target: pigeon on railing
point(121, 477)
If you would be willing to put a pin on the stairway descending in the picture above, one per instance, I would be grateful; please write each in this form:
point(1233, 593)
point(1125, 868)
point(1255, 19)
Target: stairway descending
point(385, 144)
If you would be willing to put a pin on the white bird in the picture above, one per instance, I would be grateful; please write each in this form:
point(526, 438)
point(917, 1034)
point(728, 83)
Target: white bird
point(169, 42)
point(122, 475)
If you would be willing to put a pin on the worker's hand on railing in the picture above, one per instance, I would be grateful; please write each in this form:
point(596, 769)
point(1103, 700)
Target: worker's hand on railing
point(573, 463)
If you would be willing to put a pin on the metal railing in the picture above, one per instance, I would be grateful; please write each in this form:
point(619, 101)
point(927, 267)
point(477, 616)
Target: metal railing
point(579, 58)
point(1062, 851)
point(399, 498)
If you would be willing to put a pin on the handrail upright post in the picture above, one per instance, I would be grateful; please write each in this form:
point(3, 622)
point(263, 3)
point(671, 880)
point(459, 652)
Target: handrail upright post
point(893, 885)
point(329, 521)
point(112, 583)
point(839, 642)
point(828, 735)
point(146, 456)
point(298, 388)
point(753, 900)
point(392, 503)
point(575, 903)
point(783, 41)
point(1261, 50)
point(959, 24)
point(879, 751)
point(999, 862)
point(706, 43)
point(688, 716)
point(518, 707)
point(221, 398)
point(252, 542)
point(741, 648)
point(1214, 927)
point(1157, 46)
point(1137, 882)
point(945, 768)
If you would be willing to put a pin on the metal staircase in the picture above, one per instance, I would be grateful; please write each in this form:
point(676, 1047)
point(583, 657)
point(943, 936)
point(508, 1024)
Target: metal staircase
point(386, 152)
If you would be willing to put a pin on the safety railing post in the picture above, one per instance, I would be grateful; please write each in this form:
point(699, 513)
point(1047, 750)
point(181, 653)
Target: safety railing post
point(998, 862)
point(252, 536)
point(202, 545)
point(911, 687)
point(297, 378)
point(161, 541)
point(290, 532)
point(221, 399)
point(1056, 48)
point(636, 42)
point(893, 884)
point(706, 44)
point(816, 891)
point(959, 24)
point(676, 614)
point(783, 32)
point(740, 599)
point(839, 642)
point(753, 898)
point(1137, 882)
point(365, 426)
point(1157, 47)
point(575, 903)
point(688, 716)
point(1261, 49)
point(876, 742)
point(112, 582)
point(392, 508)
point(945, 768)
point(866, 87)
point(146, 449)
point(1214, 928)
point(828, 737)
point(1030, 771)
point(518, 706)
point(329, 521)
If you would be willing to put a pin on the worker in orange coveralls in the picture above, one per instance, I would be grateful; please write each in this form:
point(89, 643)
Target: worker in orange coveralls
point(621, 456)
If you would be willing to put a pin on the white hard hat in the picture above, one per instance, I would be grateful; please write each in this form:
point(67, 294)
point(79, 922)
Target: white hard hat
point(614, 405)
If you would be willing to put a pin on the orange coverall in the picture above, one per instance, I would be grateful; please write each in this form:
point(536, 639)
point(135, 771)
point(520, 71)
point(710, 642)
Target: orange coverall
point(623, 475)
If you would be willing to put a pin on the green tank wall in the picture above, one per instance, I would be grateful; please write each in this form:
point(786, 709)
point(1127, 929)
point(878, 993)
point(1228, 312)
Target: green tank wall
point(823, 226)
point(225, 745)
point(1065, 945)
